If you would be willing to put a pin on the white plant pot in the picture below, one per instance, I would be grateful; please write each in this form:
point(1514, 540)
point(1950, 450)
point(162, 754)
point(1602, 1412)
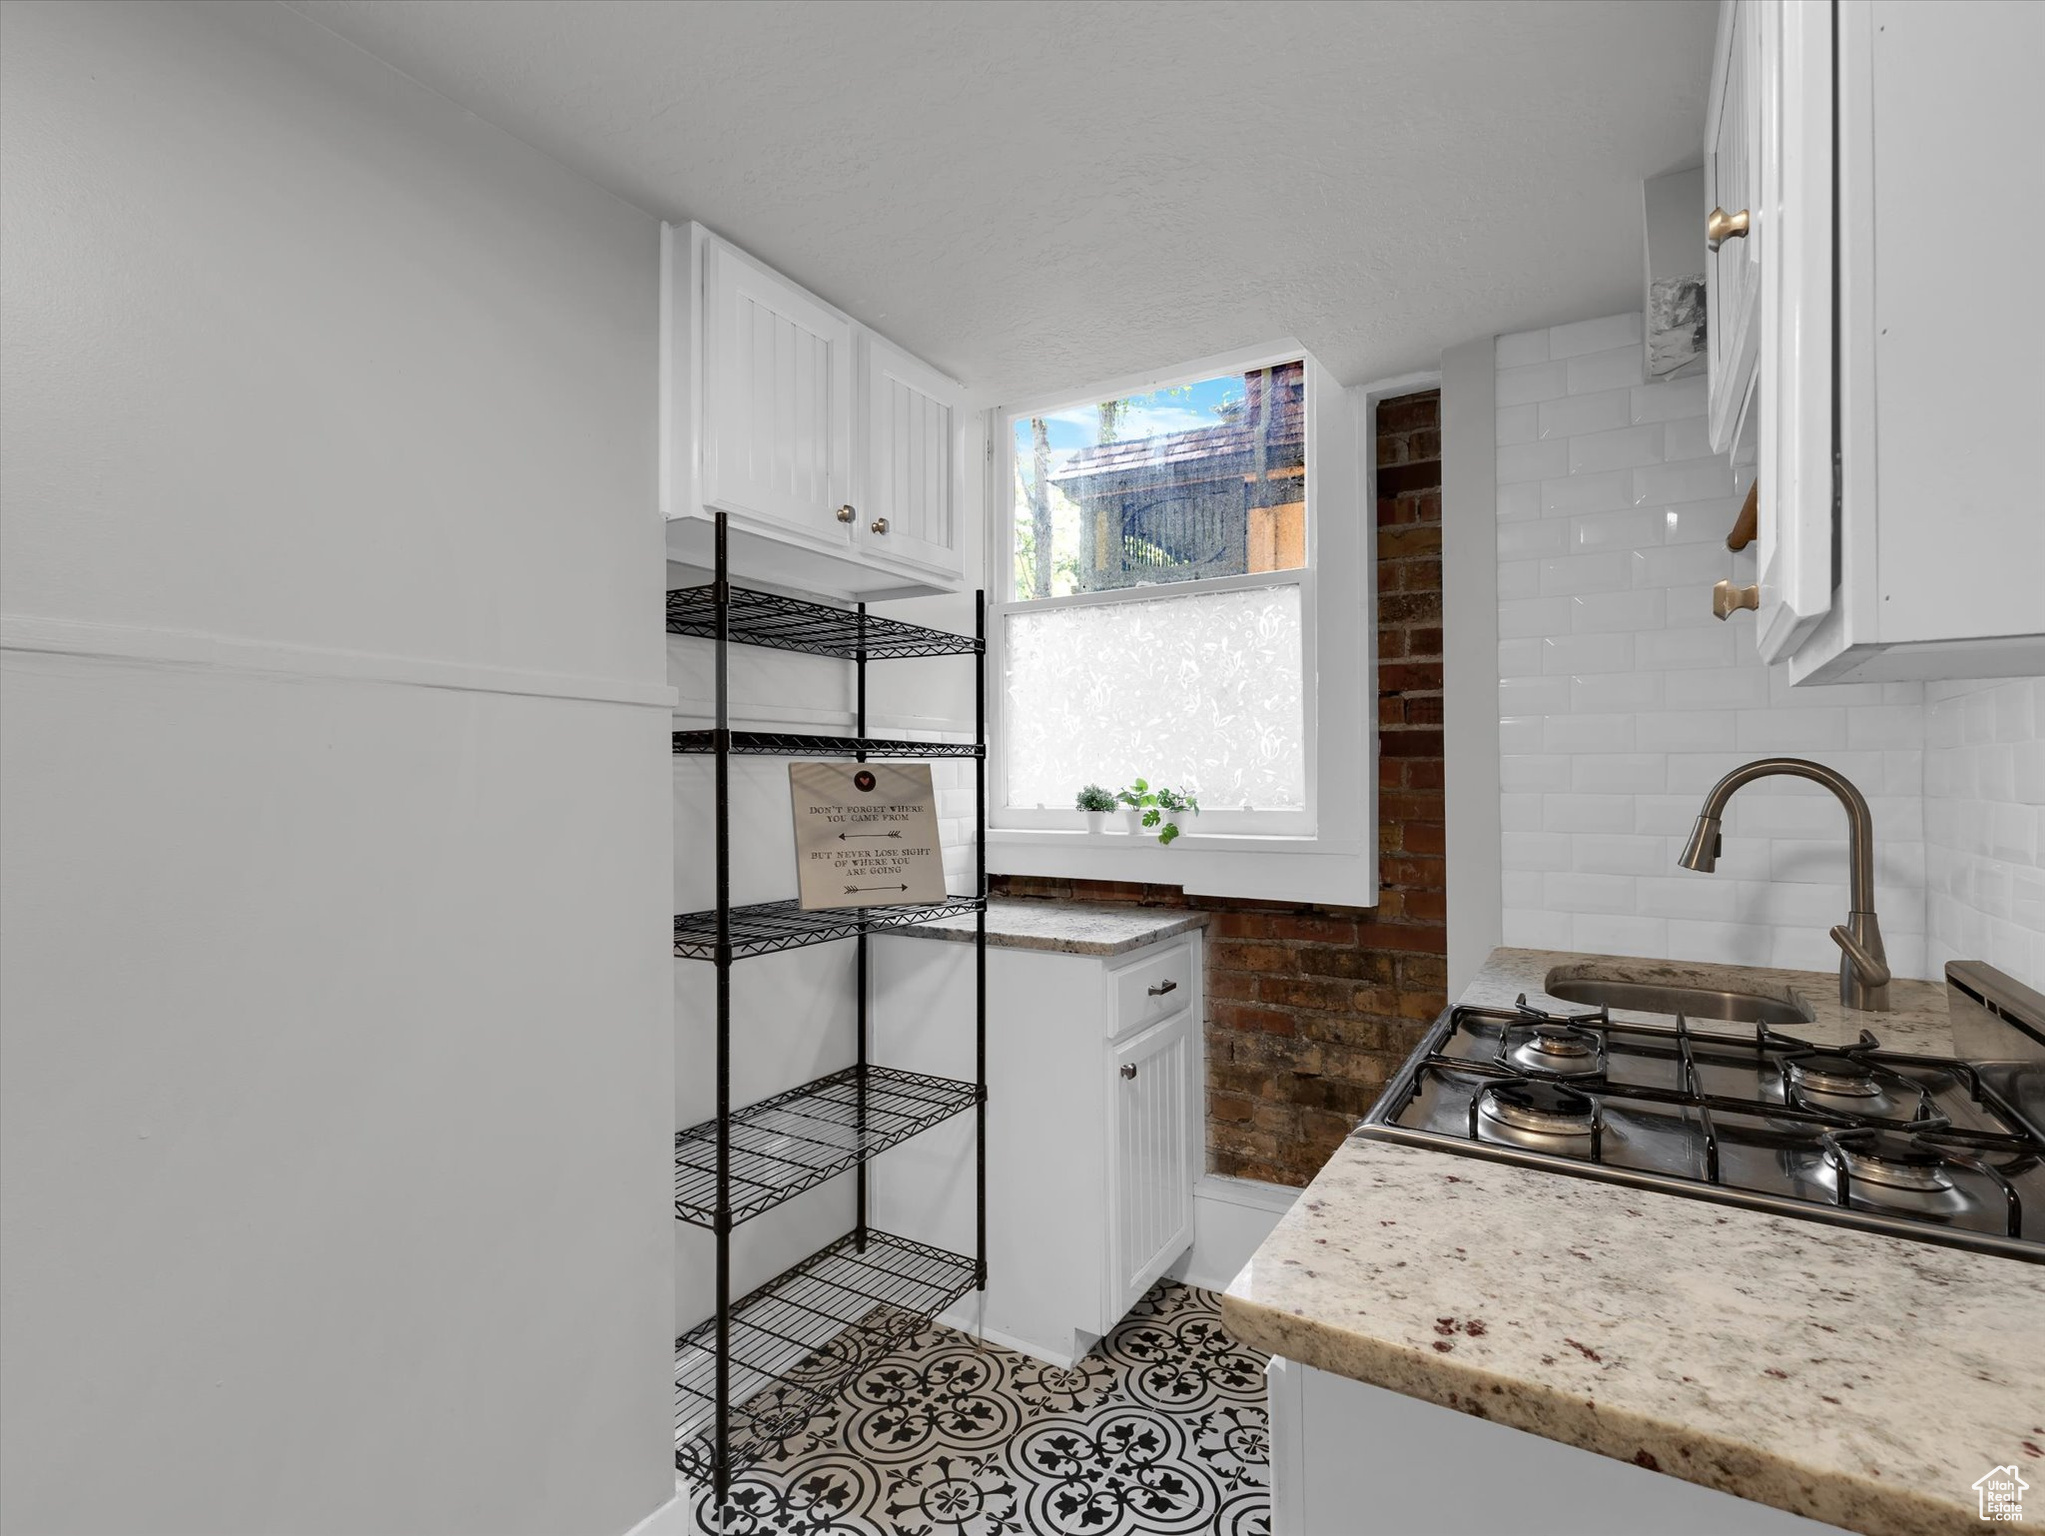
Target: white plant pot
point(1097, 822)
point(1187, 821)
point(1133, 815)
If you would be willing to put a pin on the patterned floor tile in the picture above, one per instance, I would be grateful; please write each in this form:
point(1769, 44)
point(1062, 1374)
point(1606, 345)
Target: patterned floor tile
point(1161, 1431)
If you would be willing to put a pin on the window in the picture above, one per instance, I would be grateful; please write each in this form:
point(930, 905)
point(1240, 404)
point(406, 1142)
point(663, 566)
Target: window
point(1179, 559)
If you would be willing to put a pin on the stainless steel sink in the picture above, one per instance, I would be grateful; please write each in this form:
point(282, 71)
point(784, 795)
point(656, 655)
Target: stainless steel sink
point(1691, 1002)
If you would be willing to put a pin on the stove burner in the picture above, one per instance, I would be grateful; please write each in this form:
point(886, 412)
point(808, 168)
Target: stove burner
point(1560, 1049)
point(1892, 1159)
point(1833, 1074)
point(1543, 1109)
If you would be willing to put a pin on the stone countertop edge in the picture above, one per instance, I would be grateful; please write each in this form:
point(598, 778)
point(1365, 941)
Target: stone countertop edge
point(1063, 927)
point(1744, 1351)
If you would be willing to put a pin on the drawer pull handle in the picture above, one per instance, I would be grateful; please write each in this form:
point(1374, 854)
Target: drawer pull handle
point(1129, 1069)
point(845, 514)
point(1723, 226)
point(879, 525)
point(1160, 990)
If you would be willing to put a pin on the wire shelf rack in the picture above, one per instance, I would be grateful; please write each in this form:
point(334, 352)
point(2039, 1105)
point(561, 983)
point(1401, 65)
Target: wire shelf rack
point(770, 926)
point(816, 629)
point(783, 744)
point(800, 1339)
point(797, 1139)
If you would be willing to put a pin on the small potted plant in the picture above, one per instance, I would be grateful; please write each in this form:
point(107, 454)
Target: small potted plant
point(1177, 809)
point(1097, 803)
point(1139, 805)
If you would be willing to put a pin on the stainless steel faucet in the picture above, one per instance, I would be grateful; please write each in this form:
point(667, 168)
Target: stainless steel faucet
point(1863, 965)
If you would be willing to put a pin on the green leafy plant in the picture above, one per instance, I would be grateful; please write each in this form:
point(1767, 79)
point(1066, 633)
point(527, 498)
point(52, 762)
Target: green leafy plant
point(1094, 798)
point(1161, 807)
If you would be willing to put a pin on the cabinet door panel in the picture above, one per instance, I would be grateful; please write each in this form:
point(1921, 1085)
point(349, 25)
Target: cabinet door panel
point(1794, 545)
point(1733, 145)
point(777, 408)
point(912, 462)
point(1154, 1122)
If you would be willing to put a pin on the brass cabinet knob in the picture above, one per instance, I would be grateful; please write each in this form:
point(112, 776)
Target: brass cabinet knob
point(1129, 1069)
point(846, 514)
point(1723, 226)
point(1727, 599)
point(879, 525)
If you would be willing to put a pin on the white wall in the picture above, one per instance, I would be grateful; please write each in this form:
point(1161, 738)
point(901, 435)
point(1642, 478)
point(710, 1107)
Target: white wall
point(335, 992)
point(1984, 824)
point(1621, 700)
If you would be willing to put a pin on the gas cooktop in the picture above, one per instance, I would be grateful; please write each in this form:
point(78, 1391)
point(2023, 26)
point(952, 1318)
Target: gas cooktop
point(1925, 1147)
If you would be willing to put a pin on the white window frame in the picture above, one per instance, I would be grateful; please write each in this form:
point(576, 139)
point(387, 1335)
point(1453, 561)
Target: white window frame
point(1326, 852)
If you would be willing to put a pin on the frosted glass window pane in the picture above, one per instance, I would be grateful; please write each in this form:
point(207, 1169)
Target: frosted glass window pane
point(1201, 692)
point(1180, 484)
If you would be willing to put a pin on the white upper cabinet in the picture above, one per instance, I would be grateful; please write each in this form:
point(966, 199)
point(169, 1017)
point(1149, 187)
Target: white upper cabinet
point(909, 501)
point(1732, 160)
point(777, 402)
point(1896, 397)
point(834, 454)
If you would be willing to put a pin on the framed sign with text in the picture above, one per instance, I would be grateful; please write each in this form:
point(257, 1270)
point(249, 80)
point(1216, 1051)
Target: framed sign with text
point(865, 835)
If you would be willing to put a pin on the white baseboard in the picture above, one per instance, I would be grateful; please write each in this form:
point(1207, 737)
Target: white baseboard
point(1231, 1219)
point(671, 1519)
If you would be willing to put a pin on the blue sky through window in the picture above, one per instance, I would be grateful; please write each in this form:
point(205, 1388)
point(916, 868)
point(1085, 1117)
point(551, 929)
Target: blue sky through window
point(1156, 414)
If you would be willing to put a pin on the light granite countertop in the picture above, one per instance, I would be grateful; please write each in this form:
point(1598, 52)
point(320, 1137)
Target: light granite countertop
point(1068, 927)
point(1860, 1380)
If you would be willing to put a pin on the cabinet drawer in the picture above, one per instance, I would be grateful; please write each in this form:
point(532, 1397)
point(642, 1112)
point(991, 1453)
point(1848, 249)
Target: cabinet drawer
point(1152, 989)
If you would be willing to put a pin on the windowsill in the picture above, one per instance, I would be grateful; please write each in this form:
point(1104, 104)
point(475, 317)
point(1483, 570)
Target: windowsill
point(1305, 869)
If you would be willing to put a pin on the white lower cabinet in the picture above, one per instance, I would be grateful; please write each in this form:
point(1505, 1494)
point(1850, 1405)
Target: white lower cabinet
point(1095, 1127)
point(1352, 1459)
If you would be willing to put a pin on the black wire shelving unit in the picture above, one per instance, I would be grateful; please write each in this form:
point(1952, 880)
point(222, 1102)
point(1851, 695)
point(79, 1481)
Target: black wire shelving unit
point(751, 1375)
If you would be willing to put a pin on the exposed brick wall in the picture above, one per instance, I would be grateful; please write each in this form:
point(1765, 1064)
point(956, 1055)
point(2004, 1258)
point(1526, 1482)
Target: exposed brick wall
point(1309, 1008)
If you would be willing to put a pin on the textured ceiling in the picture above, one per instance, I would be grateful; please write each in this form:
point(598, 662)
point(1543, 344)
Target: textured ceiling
point(1038, 196)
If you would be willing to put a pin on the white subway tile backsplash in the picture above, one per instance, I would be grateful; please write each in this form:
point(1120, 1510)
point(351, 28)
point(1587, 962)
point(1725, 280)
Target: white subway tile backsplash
point(1622, 701)
point(1626, 448)
point(1611, 492)
point(1532, 539)
point(1587, 653)
point(1534, 695)
point(1517, 424)
point(1608, 692)
point(1612, 934)
point(1705, 898)
point(1691, 566)
point(1790, 729)
point(1702, 730)
point(1528, 617)
point(1519, 578)
point(1537, 381)
point(1699, 522)
point(1619, 773)
point(1694, 480)
point(1600, 335)
point(1532, 461)
point(1612, 612)
point(1532, 771)
point(1686, 439)
point(1670, 401)
point(1587, 813)
point(1523, 347)
point(1678, 649)
point(1633, 532)
point(1588, 733)
point(1580, 892)
point(1574, 414)
point(1593, 372)
point(1522, 500)
point(1609, 571)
